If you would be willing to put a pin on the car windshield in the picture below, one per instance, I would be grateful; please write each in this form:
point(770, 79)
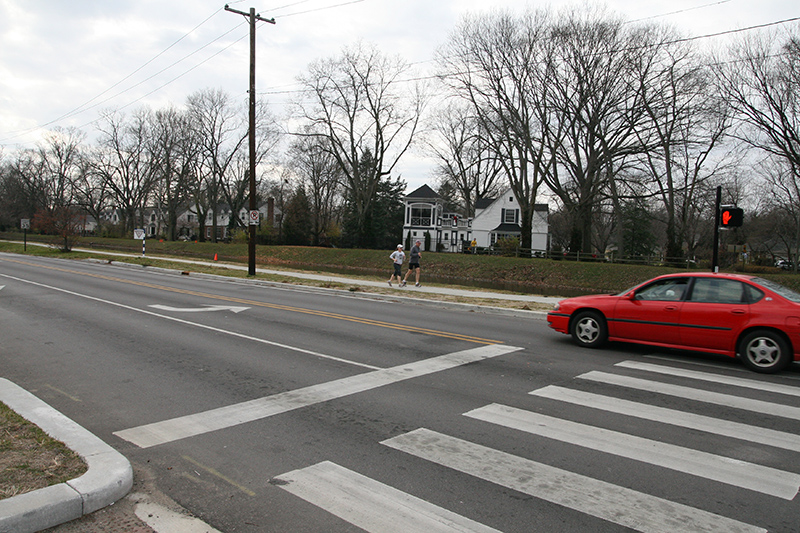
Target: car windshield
point(779, 289)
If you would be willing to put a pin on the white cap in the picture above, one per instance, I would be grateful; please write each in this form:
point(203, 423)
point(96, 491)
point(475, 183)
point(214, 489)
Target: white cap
point(399, 245)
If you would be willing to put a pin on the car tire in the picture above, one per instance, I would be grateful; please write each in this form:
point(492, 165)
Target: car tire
point(764, 351)
point(589, 329)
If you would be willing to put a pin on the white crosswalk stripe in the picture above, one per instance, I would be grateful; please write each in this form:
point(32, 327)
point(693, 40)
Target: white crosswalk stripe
point(714, 378)
point(620, 505)
point(708, 424)
point(371, 505)
point(723, 469)
point(689, 393)
point(374, 506)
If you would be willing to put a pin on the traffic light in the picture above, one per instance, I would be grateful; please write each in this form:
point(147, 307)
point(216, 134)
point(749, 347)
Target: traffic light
point(731, 217)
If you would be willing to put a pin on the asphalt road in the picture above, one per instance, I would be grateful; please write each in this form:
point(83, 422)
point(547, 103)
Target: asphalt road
point(265, 408)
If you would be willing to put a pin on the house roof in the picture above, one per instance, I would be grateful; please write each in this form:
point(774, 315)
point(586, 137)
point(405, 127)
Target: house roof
point(423, 192)
point(483, 203)
point(507, 228)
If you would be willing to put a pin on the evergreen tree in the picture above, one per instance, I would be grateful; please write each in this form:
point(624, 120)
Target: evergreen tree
point(382, 224)
point(637, 235)
point(297, 222)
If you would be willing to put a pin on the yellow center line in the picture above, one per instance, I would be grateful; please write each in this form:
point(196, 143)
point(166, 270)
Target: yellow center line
point(280, 307)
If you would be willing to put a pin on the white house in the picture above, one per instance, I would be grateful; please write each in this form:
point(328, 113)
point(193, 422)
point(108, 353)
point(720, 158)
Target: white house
point(498, 218)
point(495, 218)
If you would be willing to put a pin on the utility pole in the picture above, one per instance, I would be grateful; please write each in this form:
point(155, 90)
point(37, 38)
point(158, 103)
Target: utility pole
point(253, 215)
point(715, 251)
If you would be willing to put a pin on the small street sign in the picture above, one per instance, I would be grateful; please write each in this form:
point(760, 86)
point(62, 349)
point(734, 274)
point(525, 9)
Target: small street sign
point(25, 223)
point(254, 217)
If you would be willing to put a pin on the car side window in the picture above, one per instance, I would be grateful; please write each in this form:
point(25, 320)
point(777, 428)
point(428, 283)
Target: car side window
point(717, 290)
point(753, 294)
point(667, 290)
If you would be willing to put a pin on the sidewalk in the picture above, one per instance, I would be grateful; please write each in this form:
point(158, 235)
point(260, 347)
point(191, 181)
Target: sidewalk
point(110, 476)
point(463, 292)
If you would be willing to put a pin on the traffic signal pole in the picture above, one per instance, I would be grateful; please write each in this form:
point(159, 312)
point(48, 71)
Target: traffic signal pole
point(715, 252)
point(252, 216)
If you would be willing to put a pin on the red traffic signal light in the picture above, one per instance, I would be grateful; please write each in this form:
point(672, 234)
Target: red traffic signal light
point(731, 217)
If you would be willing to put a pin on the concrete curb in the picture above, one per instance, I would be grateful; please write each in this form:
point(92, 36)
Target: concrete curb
point(109, 477)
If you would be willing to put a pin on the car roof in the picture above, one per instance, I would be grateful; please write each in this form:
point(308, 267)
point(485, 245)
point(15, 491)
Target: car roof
point(706, 275)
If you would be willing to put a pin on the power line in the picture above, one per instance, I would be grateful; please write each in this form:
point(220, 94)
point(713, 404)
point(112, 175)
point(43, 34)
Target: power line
point(86, 107)
point(83, 107)
point(320, 8)
point(677, 12)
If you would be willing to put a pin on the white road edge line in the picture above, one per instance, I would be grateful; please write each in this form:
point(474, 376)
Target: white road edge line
point(195, 324)
point(196, 424)
point(613, 503)
point(369, 504)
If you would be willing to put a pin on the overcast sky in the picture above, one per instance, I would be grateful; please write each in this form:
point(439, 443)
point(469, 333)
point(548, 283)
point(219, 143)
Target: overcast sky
point(62, 61)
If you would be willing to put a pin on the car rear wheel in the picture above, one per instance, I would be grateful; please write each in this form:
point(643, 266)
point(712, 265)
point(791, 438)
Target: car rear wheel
point(589, 329)
point(764, 351)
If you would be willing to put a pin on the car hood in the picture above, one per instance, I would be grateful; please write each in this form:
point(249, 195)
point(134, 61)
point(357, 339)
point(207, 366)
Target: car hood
point(592, 299)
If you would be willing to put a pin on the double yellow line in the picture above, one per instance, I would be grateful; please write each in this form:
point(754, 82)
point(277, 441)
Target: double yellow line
point(291, 309)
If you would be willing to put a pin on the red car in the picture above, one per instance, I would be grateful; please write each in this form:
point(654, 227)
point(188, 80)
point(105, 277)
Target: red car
point(728, 314)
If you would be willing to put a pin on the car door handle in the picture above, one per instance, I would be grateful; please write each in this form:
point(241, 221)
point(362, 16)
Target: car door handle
point(671, 308)
point(738, 311)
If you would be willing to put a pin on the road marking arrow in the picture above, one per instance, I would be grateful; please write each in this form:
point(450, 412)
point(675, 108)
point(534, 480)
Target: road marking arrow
point(200, 309)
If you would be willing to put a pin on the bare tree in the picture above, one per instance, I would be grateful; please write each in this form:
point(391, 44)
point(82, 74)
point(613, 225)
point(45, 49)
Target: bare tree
point(761, 82)
point(465, 159)
point(599, 108)
point(92, 192)
point(60, 156)
point(684, 132)
point(173, 152)
point(123, 162)
point(500, 64)
point(322, 178)
point(221, 129)
point(355, 102)
point(22, 193)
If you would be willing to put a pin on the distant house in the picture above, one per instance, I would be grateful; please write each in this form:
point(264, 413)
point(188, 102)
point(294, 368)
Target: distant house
point(498, 218)
point(188, 222)
point(495, 219)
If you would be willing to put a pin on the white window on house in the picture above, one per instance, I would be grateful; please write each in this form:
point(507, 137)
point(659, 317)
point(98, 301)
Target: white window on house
point(152, 217)
point(190, 218)
point(421, 216)
point(510, 216)
point(511, 199)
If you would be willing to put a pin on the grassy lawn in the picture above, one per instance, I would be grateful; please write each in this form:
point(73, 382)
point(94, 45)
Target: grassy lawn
point(30, 459)
point(549, 276)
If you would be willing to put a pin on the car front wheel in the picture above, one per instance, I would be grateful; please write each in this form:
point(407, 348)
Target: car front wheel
point(764, 351)
point(589, 329)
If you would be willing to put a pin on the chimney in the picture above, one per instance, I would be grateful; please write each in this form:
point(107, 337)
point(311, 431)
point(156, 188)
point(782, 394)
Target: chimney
point(271, 211)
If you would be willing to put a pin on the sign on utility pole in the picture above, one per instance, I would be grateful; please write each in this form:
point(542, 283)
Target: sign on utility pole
point(140, 234)
point(25, 224)
point(252, 17)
